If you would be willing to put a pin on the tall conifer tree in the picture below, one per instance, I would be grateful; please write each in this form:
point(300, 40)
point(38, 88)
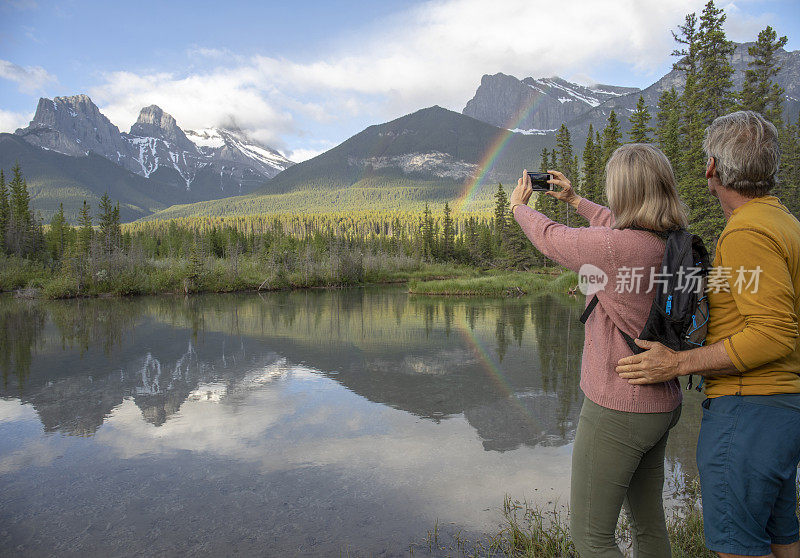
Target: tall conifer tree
point(85, 231)
point(591, 182)
point(448, 233)
point(612, 137)
point(57, 233)
point(760, 92)
point(3, 211)
point(640, 119)
point(714, 53)
point(668, 121)
point(21, 229)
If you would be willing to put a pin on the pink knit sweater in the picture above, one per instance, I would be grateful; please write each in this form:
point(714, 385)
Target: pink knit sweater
point(612, 250)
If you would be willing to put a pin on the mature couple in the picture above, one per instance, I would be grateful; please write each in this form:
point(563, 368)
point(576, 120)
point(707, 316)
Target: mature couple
point(749, 444)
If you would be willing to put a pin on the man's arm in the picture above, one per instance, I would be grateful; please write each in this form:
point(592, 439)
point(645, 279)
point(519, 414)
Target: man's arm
point(766, 303)
point(661, 364)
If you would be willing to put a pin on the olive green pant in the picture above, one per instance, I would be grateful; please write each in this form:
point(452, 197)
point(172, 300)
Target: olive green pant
point(618, 459)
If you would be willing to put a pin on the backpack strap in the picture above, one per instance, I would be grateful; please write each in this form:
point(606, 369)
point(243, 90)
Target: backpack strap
point(628, 339)
point(661, 234)
point(589, 309)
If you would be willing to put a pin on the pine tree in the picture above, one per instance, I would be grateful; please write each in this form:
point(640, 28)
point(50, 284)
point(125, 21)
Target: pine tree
point(789, 183)
point(566, 164)
point(106, 223)
point(20, 231)
point(486, 244)
point(714, 52)
point(640, 131)
point(759, 92)
point(705, 219)
point(448, 233)
point(691, 124)
point(57, 233)
point(500, 213)
point(85, 230)
point(668, 121)
point(612, 138)
point(428, 239)
point(3, 211)
point(544, 165)
point(714, 98)
point(591, 182)
point(117, 228)
point(518, 252)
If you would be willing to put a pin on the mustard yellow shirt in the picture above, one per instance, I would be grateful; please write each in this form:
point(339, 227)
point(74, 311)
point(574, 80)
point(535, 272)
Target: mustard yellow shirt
point(757, 318)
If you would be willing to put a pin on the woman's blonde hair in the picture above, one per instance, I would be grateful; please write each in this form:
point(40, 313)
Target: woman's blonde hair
point(642, 191)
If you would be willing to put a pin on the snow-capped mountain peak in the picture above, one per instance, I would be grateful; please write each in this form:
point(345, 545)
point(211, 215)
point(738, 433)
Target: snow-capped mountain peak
point(236, 146)
point(155, 144)
point(536, 103)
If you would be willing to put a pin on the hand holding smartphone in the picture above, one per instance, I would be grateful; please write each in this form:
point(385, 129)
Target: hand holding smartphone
point(539, 181)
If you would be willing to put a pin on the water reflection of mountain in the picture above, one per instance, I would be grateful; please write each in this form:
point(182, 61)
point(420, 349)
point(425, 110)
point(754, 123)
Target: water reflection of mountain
point(510, 367)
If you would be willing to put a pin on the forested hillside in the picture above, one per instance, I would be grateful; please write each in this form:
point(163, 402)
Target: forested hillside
point(678, 126)
point(429, 156)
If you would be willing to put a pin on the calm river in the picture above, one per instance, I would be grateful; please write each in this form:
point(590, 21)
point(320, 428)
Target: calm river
point(312, 423)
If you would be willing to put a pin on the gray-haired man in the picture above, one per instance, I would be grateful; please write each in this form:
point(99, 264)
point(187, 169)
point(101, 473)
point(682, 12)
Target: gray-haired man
point(749, 443)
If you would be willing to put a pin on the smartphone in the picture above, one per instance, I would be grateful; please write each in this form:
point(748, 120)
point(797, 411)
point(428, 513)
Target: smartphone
point(539, 181)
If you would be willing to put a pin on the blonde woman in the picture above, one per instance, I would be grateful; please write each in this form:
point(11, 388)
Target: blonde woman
point(618, 456)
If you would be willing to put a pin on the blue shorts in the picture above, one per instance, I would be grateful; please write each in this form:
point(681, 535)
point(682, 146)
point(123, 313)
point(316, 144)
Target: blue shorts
point(747, 455)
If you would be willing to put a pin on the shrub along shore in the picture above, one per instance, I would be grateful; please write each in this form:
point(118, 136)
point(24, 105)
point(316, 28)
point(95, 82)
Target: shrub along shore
point(500, 284)
point(127, 276)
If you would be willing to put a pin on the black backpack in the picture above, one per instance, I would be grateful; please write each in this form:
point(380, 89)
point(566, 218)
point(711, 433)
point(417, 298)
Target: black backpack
point(679, 315)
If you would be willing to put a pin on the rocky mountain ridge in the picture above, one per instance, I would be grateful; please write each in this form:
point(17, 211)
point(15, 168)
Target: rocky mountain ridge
point(536, 106)
point(231, 163)
point(541, 105)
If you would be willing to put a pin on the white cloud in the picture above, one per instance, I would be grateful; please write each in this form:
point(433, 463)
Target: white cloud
point(300, 155)
point(10, 121)
point(434, 53)
point(30, 79)
point(218, 98)
point(275, 431)
point(741, 27)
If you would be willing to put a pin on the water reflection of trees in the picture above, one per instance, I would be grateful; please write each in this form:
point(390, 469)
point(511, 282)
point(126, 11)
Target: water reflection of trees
point(511, 367)
point(140, 347)
point(21, 325)
point(82, 323)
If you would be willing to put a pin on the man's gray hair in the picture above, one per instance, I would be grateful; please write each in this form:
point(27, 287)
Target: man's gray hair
point(746, 153)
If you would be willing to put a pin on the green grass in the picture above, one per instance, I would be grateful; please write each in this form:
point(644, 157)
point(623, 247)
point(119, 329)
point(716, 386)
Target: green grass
point(498, 284)
point(123, 275)
point(18, 273)
point(529, 531)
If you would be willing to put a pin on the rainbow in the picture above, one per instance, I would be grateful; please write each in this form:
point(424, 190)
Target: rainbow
point(494, 372)
point(473, 184)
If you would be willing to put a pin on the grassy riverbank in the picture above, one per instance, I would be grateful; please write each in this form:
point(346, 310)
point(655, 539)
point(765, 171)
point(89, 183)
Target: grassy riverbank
point(528, 531)
point(131, 275)
point(134, 274)
point(498, 284)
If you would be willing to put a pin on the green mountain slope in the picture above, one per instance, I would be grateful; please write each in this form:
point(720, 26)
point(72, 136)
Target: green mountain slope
point(53, 178)
point(432, 155)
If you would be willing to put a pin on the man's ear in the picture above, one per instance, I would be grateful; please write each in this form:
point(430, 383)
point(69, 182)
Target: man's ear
point(711, 168)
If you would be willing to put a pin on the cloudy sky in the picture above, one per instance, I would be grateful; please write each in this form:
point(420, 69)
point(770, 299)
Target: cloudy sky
point(303, 76)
